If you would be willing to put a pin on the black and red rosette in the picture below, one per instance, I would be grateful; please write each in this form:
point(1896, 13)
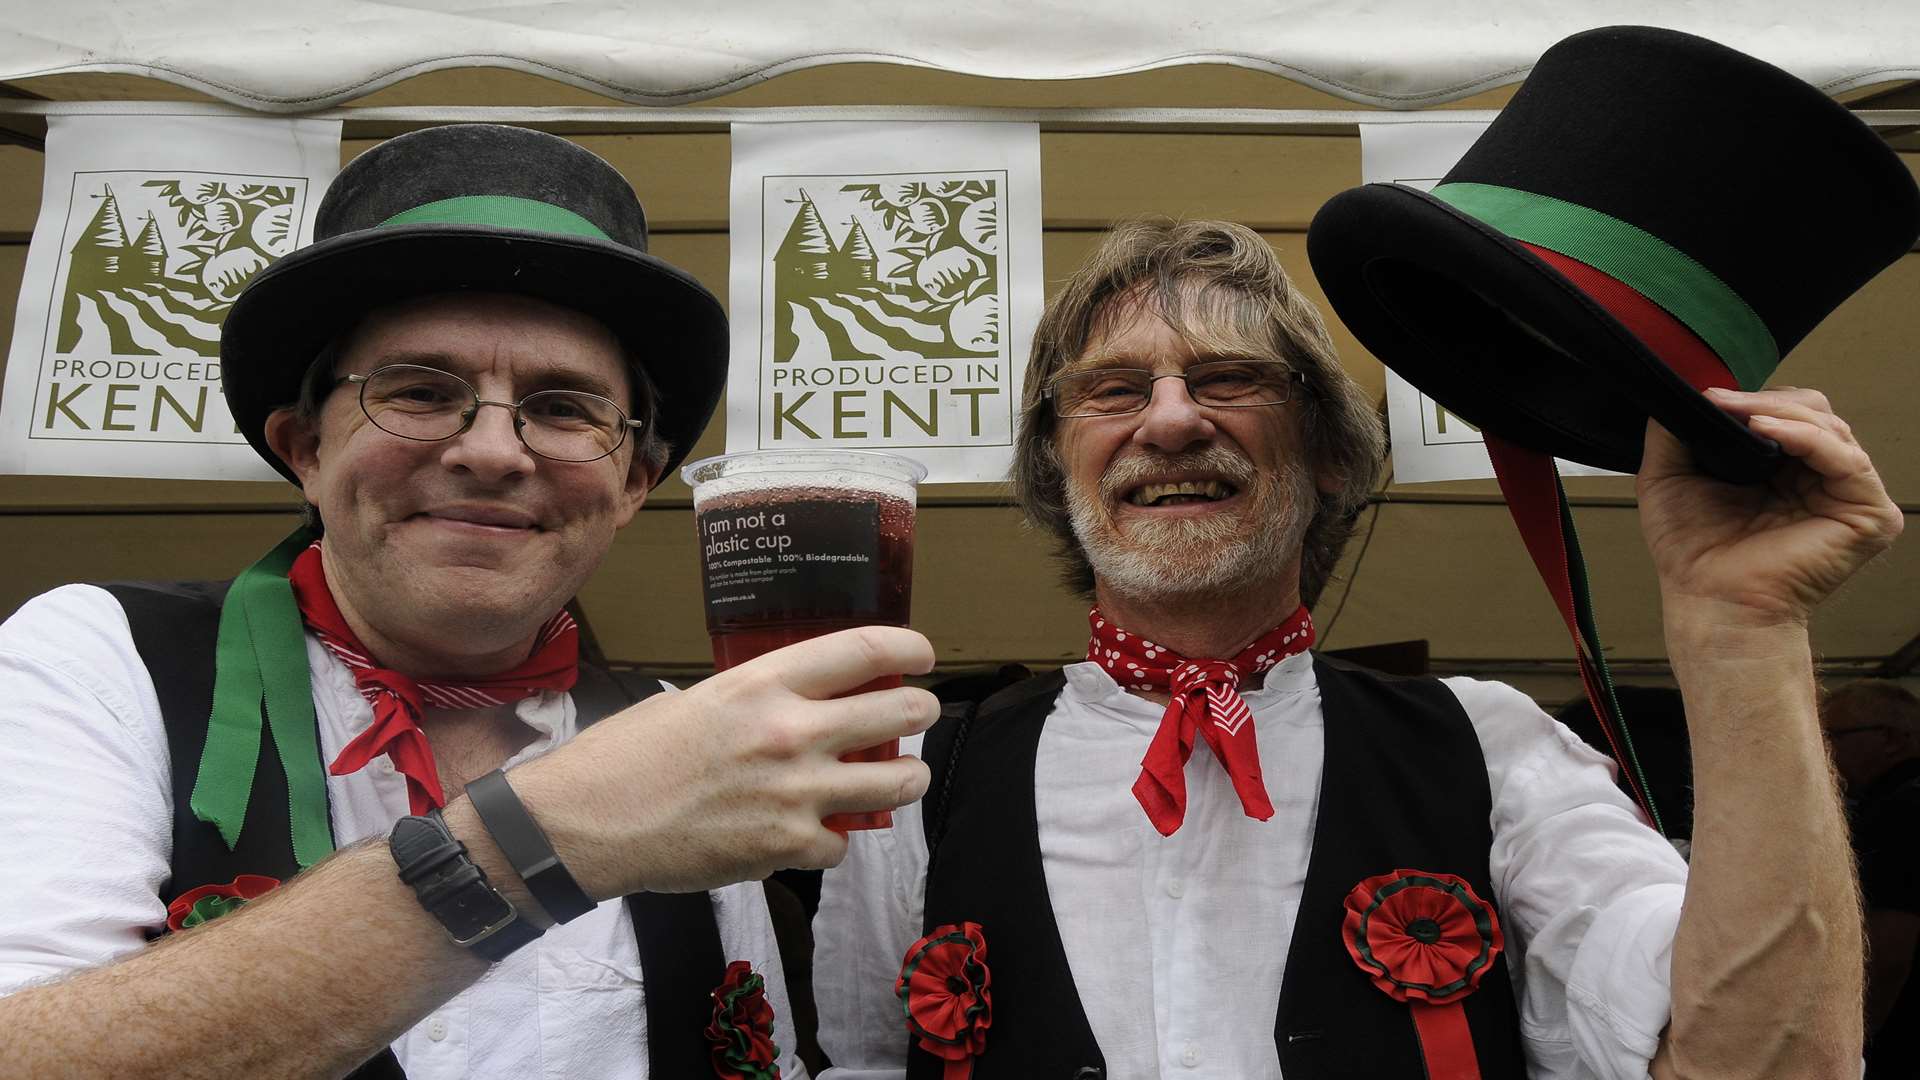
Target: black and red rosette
point(741, 1031)
point(1426, 939)
point(209, 902)
point(946, 991)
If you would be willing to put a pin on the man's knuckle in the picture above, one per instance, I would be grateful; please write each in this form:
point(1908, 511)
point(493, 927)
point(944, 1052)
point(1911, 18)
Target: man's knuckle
point(783, 736)
point(913, 784)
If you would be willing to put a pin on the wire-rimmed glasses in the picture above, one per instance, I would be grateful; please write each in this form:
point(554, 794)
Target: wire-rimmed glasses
point(429, 405)
point(1220, 384)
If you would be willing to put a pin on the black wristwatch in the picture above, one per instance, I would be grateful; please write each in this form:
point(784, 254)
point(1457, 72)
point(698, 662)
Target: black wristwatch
point(454, 890)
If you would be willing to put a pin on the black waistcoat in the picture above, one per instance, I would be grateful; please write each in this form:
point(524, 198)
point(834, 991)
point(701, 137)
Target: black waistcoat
point(1403, 785)
point(175, 626)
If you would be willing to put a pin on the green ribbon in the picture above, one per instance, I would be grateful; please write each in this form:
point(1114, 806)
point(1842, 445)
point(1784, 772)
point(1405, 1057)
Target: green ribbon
point(499, 211)
point(261, 679)
point(1655, 269)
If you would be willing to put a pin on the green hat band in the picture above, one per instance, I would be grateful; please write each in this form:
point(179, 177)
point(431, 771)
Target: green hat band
point(499, 211)
point(1658, 271)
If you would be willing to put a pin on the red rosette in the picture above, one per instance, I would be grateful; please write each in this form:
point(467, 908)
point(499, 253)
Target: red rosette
point(209, 902)
point(741, 1032)
point(945, 989)
point(1422, 936)
point(1426, 939)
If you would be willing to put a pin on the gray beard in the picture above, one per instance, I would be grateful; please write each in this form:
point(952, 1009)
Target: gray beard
point(1200, 557)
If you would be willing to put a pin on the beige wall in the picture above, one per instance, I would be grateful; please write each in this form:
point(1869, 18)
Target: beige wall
point(1445, 567)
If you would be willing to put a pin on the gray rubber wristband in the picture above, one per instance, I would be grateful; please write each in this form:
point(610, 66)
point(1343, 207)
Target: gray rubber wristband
point(527, 848)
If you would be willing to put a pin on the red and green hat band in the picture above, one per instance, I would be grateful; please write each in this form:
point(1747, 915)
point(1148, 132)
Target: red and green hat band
point(1663, 335)
point(500, 212)
point(1679, 309)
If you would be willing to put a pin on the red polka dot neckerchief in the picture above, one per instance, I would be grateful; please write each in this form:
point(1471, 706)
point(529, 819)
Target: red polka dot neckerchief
point(1206, 700)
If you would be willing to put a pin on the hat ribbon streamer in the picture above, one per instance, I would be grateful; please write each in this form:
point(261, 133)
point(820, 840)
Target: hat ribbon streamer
point(261, 680)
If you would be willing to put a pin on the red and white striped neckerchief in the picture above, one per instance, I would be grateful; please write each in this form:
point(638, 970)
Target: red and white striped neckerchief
point(1206, 700)
point(398, 700)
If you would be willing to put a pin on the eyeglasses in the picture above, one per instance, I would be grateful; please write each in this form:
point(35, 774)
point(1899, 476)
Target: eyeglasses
point(1224, 384)
point(429, 405)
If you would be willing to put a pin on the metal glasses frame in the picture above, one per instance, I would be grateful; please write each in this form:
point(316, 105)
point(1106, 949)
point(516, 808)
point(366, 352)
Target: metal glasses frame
point(469, 414)
point(1048, 392)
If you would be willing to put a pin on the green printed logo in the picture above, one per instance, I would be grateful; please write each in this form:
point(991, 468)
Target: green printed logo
point(160, 259)
point(890, 268)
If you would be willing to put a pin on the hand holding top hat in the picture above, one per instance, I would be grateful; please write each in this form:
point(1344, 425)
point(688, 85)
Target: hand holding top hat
point(1608, 251)
point(1765, 553)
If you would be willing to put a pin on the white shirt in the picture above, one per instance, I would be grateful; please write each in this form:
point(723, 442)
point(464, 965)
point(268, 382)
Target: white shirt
point(86, 810)
point(1175, 942)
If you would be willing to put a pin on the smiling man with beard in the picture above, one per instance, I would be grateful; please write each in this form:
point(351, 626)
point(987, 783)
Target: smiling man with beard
point(1207, 851)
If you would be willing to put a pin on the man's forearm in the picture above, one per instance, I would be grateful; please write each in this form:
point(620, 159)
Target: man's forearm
point(310, 980)
point(1767, 959)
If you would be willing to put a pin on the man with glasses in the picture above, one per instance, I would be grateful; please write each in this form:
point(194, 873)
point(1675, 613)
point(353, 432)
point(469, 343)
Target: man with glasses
point(475, 376)
point(1873, 727)
point(1207, 852)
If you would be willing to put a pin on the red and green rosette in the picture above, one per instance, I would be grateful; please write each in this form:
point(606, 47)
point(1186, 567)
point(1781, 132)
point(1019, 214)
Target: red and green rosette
point(741, 1031)
point(944, 987)
point(1427, 940)
point(209, 902)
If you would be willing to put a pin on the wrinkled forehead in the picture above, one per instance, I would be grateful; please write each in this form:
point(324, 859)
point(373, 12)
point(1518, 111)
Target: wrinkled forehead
point(1210, 321)
point(469, 334)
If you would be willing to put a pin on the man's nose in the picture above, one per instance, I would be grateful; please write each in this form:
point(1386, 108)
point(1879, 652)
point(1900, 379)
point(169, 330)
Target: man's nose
point(1172, 420)
point(490, 448)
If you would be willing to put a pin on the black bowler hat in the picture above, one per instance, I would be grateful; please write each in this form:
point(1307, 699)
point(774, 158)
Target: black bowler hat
point(1651, 214)
point(482, 208)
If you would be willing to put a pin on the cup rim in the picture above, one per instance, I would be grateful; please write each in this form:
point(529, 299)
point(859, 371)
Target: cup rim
point(897, 467)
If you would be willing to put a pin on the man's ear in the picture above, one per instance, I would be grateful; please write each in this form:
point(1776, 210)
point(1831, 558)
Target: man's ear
point(296, 442)
point(641, 476)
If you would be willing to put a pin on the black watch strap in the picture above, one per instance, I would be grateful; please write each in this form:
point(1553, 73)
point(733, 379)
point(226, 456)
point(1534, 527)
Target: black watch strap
point(527, 848)
point(454, 890)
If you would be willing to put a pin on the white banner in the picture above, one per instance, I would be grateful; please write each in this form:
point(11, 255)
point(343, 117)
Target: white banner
point(885, 283)
point(1429, 443)
point(149, 227)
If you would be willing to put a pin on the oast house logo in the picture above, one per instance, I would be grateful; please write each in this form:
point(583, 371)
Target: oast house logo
point(885, 309)
point(150, 266)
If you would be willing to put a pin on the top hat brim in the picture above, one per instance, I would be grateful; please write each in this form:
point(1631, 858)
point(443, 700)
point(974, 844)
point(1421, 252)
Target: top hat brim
point(295, 307)
point(1466, 314)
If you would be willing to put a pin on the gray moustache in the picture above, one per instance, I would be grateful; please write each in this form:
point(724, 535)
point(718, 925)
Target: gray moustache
point(1131, 472)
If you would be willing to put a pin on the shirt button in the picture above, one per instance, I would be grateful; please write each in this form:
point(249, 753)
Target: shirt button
point(436, 1029)
point(1191, 1055)
point(1176, 888)
point(383, 765)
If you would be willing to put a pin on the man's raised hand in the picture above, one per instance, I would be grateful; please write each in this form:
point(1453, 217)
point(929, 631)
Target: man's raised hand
point(1768, 552)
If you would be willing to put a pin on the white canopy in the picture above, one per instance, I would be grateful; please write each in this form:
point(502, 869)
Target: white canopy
point(279, 56)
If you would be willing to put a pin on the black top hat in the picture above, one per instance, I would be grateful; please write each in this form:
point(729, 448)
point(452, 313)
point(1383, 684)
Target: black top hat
point(485, 208)
point(1651, 214)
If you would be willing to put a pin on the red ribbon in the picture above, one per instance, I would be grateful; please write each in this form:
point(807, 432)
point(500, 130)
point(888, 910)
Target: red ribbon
point(398, 700)
point(1537, 502)
point(1206, 700)
point(1427, 940)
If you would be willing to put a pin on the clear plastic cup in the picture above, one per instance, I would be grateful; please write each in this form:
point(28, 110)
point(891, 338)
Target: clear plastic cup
point(799, 543)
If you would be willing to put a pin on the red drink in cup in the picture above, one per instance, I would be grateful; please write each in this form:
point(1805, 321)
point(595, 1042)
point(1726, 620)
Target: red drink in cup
point(799, 543)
